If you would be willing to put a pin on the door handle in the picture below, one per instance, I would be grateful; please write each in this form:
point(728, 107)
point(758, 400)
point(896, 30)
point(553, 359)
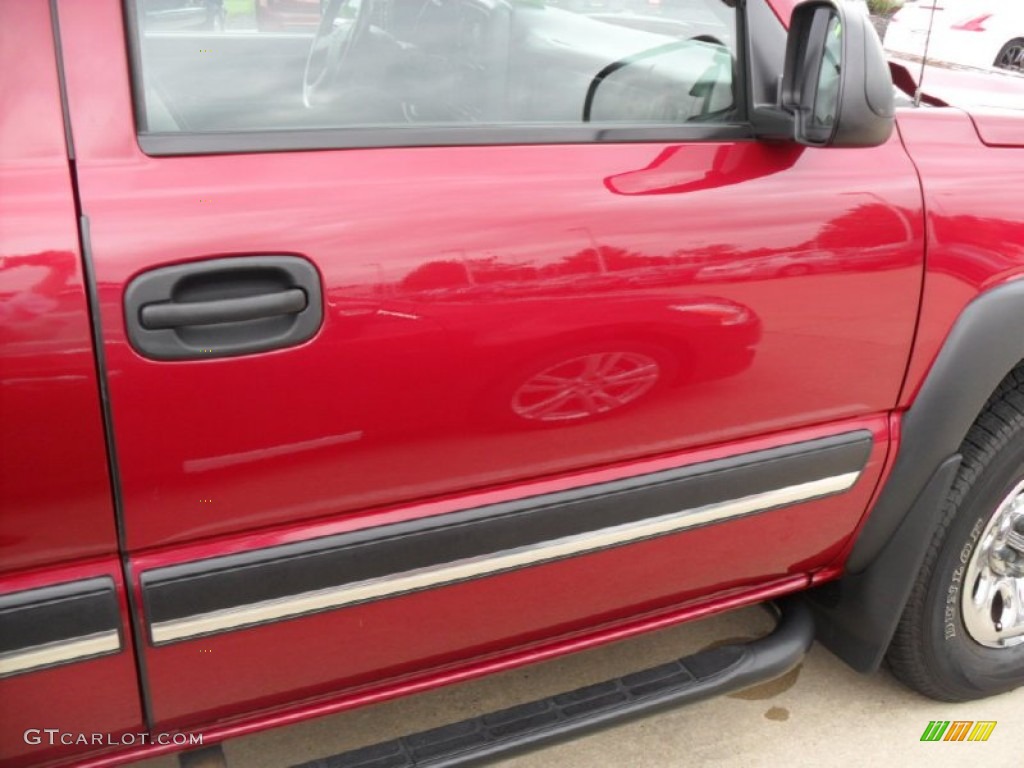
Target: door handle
point(223, 307)
point(171, 315)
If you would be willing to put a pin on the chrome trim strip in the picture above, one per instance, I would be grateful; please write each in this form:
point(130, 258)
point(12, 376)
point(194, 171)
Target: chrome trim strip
point(60, 652)
point(484, 565)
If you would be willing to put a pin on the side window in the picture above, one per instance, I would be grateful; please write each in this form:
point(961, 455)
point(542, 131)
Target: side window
point(229, 66)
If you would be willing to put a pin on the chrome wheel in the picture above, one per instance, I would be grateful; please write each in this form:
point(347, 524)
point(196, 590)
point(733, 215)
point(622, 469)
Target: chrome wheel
point(993, 594)
point(1012, 56)
point(586, 386)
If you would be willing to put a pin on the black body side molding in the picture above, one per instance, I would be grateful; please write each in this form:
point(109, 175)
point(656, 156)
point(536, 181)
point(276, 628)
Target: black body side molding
point(858, 615)
point(206, 596)
point(59, 624)
point(539, 723)
point(54, 614)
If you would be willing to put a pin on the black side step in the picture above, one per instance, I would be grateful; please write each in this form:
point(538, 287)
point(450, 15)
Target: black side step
point(517, 729)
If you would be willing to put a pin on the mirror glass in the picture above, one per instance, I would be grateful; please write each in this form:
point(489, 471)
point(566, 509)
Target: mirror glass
point(826, 100)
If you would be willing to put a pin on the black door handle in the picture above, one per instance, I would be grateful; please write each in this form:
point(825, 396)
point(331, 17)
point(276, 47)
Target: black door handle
point(223, 307)
point(171, 315)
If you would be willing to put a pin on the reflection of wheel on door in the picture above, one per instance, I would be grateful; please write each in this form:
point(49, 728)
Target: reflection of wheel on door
point(1011, 56)
point(962, 633)
point(585, 383)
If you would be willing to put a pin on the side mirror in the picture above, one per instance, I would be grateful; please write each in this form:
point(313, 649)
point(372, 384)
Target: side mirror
point(836, 83)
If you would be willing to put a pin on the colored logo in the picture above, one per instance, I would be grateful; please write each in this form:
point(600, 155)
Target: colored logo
point(958, 730)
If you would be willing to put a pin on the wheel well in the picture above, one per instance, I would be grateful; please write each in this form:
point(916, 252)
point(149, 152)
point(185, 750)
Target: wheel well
point(978, 362)
point(1012, 380)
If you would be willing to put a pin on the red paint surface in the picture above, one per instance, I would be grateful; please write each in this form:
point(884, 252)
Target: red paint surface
point(972, 89)
point(783, 9)
point(53, 473)
point(506, 257)
point(56, 505)
point(765, 279)
point(211, 678)
point(975, 230)
point(1000, 128)
point(85, 697)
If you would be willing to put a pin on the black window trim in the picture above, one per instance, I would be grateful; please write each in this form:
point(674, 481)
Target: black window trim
point(245, 142)
point(168, 144)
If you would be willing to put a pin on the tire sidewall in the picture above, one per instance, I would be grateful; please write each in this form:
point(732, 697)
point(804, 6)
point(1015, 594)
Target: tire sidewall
point(970, 668)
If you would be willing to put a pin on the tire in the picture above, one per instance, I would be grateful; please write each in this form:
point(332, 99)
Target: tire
point(943, 647)
point(1011, 56)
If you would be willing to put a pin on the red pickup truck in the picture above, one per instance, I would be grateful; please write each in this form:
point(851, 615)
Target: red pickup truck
point(437, 337)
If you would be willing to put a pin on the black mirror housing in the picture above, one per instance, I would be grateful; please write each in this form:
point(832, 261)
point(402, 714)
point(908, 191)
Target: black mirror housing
point(836, 84)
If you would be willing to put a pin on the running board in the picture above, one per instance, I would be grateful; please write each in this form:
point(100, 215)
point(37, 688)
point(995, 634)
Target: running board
point(543, 722)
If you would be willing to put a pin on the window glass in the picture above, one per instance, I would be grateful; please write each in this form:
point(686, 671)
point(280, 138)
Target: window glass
point(264, 65)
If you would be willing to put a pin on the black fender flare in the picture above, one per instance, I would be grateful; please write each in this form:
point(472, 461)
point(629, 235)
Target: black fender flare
point(857, 615)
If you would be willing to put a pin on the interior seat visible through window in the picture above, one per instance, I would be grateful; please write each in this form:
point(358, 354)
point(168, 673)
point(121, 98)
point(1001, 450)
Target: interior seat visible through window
point(402, 64)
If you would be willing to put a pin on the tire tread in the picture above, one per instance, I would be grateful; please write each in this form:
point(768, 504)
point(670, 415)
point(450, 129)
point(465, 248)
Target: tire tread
point(1000, 421)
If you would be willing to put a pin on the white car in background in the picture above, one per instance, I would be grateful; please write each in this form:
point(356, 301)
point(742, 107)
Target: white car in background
point(975, 33)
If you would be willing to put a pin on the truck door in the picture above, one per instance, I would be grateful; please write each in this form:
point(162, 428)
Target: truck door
point(419, 353)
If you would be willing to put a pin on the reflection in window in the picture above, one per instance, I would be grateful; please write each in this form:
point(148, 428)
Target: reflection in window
point(245, 65)
point(827, 99)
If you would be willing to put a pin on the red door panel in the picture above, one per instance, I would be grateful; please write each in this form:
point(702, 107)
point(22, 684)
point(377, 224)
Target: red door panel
point(410, 388)
point(739, 289)
point(368, 647)
point(760, 281)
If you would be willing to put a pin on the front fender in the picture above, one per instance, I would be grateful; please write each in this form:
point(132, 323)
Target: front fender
point(857, 616)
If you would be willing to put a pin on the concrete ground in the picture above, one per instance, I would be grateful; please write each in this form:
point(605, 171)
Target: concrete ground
point(820, 714)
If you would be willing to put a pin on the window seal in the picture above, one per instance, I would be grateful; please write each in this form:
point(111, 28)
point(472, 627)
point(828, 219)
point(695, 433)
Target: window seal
point(135, 78)
point(246, 142)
